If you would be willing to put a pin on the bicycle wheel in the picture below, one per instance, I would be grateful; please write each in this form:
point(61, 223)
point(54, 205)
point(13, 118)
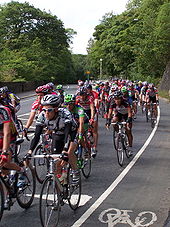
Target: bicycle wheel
point(25, 194)
point(152, 120)
point(126, 144)
point(86, 168)
point(74, 191)
point(115, 137)
point(41, 165)
point(1, 200)
point(120, 150)
point(49, 206)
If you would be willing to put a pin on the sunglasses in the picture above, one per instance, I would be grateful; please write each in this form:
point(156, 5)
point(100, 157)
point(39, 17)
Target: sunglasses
point(49, 110)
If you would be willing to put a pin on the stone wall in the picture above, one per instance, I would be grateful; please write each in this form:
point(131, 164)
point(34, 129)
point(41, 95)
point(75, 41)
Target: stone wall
point(18, 87)
point(165, 82)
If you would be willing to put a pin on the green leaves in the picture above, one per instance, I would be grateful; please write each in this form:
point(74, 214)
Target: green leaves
point(36, 42)
point(135, 43)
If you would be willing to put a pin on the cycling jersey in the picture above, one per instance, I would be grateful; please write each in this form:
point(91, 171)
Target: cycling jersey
point(85, 104)
point(58, 124)
point(152, 92)
point(122, 109)
point(36, 107)
point(5, 117)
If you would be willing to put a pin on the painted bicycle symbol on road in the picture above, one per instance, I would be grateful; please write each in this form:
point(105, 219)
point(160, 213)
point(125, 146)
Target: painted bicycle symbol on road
point(113, 216)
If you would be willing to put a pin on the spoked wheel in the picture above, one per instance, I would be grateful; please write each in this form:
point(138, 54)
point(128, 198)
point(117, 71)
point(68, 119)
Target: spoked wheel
point(74, 191)
point(49, 205)
point(20, 134)
point(153, 119)
point(126, 145)
point(86, 168)
point(115, 137)
point(120, 150)
point(25, 193)
point(41, 165)
point(1, 200)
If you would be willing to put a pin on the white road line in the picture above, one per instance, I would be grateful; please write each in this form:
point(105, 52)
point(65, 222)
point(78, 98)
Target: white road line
point(99, 201)
point(84, 198)
point(21, 115)
point(27, 100)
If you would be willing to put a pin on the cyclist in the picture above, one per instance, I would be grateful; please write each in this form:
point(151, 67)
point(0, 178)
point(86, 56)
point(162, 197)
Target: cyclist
point(36, 106)
point(81, 122)
point(152, 97)
point(121, 111)
point(126, 95)
point(60, 92)
point(94, 94)
point(8, 134)
point(10, 98)
point(59, 122)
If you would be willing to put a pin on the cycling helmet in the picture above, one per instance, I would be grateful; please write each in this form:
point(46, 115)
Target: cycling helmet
point(151, 85)
point(59, 87)
point(80, 83)
point(145, 83)
point(106, 83)
point(4, 89)
point(69, 99)
point(53, 100)
point(42, 89)
point(89, 86)
point(83, 91)
point(124, 89)
point(118, 94)
point(51, 85)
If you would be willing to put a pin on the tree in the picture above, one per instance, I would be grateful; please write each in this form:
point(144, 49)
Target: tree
point(37, 42)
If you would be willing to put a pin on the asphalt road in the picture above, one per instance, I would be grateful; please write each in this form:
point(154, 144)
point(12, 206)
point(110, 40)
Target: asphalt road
point(135, 195)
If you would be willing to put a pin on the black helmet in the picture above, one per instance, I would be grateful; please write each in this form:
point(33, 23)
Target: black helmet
point(118, 94)
point(53, 100)
point(83, 91)
point(89, 86)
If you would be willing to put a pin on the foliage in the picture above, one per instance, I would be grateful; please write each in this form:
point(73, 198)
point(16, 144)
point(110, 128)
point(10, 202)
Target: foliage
point(34, 45)
point(134, 44)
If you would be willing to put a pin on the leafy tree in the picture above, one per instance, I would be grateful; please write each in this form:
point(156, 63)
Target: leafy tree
point(37, 42)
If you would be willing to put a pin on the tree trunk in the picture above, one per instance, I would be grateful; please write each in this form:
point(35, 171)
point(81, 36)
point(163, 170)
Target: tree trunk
point(165, 82)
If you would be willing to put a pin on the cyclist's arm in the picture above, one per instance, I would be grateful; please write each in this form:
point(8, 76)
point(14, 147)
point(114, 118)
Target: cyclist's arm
point(66, 133)
point(30, 120)
point(92, 110)
point(6, 136)
point(81, 124)
point(35, 140)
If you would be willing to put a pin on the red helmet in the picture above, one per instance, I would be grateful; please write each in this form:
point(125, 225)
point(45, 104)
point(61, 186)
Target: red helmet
point(42, 89)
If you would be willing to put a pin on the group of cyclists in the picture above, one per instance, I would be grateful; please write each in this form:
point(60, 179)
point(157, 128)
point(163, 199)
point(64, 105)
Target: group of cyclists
point(65, 117)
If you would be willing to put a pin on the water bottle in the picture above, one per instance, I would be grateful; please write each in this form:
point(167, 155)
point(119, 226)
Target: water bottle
point(63, 177)
point(12, 176)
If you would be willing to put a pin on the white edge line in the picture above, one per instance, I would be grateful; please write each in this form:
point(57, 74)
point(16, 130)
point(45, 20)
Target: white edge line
point(98, 202)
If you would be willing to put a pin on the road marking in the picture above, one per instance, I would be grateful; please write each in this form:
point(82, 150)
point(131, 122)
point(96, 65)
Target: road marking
point(84, 198)
point(21, 115)
point(113, 216)
point(105, 194)
point(27, 100)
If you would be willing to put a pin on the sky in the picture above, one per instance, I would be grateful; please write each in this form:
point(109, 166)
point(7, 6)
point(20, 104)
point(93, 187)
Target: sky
point(82, 16)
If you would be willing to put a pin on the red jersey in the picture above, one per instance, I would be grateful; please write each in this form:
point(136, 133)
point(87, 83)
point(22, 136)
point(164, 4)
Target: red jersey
point(36, 106)
point(85, 104)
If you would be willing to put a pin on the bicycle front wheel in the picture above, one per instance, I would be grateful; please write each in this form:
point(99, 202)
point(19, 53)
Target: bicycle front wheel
point(120, 150)
point(41, 165)
point(86, 168)
point(49, 206)
point(1, 200)
point(74, 191)
point(25, 194)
